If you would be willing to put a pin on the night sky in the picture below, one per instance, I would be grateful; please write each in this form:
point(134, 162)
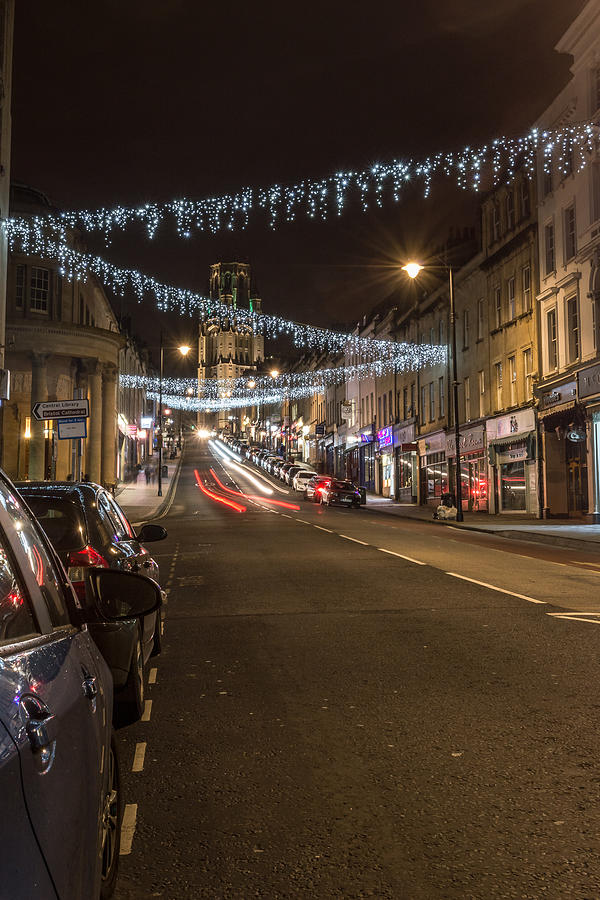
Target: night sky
point(138, 100)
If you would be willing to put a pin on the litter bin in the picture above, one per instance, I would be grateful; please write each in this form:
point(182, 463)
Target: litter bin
point(363, 496)
point(165, 472)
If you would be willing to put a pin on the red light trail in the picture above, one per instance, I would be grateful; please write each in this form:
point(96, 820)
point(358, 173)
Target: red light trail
point(285, 505)
point(219, 499)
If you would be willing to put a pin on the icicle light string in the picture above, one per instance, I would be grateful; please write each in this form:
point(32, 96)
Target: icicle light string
point(250, 388)
point(318, 198)
point(78, 265)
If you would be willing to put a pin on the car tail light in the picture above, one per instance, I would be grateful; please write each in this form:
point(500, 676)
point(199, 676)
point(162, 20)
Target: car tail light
point(78, 561)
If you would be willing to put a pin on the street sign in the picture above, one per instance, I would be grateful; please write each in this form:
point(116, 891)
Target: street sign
point(61, 409)
point(71, 429)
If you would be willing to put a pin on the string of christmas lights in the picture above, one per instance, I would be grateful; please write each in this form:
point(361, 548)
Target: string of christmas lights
point(569, 147)
point(74, 264)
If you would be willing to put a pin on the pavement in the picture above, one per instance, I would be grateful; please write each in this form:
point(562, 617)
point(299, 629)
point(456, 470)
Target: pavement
point(140, 501)
point(561, 532)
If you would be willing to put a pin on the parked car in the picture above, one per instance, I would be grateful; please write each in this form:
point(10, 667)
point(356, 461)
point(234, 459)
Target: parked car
point(343, 492)
point(59, 772)
point(289, 475)
point(314, 487)
point(301, 479)
point(87, 528)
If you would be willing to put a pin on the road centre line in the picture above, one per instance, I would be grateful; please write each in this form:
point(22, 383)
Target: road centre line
point(147, 711)
point(320, 527)
point(356, 541)
point(138, 758)
point(493, 587)
point(128, 828)
point(152, 676)
point(402, 556)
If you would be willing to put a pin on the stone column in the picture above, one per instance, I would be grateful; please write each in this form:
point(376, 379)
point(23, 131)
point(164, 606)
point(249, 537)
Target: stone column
point(109, 424)
point(39, 393)
point(94, 442)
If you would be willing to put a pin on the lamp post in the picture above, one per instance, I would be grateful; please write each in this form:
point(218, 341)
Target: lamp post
point(274, 373)
point(184, 349)
point(412, 269)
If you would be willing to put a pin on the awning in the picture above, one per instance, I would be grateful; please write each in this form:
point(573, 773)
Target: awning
point(510, 439)
point(553, 410)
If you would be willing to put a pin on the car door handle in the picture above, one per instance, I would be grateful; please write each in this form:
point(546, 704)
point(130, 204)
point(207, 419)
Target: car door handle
point(41, 732)
point(90, 688)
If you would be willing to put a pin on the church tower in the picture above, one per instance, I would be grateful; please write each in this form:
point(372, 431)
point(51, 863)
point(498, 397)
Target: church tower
point(227, 349)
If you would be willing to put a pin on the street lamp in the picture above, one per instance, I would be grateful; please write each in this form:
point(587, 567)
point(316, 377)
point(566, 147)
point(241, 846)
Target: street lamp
point(412, 269)
point(184, 349)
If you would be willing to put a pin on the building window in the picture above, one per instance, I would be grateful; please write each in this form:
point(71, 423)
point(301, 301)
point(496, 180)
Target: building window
point(390, 407)
point(480, 318)
point(481, 393)
point(510, 210)
point(432, 401)
point(413, 399)
point(595, 90)
point(432, 335)
point(549, 247)
point(442, 397)
point(385, 416)
point(512, 304)
point(573, 327)
point(547, 179)
point(423, 410)
point(595, 191)
point(498, 368)
point(594, 323)
point(512, 369)
point(465, 329)
point(526, 279)
point(498, 306)
point(405, 412)
point(20, 287)
point(552, 338)
point(379, 412)
point(496, 222)
point(570, 233)
point(40, 285)
point(528, 373)
point(442, 332)
point(467, 399)
point(525, 200)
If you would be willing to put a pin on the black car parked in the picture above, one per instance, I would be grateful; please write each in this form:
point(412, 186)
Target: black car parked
point(88, 528)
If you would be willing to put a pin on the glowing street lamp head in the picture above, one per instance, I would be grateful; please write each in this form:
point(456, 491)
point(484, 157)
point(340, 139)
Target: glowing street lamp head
point(274, 373)
point(184, 349)
point(251, 383)
point(412, 269)
point(190, 391)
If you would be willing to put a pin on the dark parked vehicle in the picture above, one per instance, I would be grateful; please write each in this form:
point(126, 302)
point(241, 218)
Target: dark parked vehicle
point(88, 528)
point(314, 487)
point(59, 774)
point(343, 492)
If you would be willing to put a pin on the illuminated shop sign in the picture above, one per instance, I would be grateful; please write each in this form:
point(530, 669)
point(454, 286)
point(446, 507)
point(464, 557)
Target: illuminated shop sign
point(385, 437)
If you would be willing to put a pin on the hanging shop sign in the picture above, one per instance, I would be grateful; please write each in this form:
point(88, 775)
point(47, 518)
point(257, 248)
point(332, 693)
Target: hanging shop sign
point(385, 436)
point(404, 434)
point(564, 393)
point(519, 422)
point(367, 437)
point(346, 409)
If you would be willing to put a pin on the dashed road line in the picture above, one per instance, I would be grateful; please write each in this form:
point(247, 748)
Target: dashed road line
point(402, 556)
point(576, 617)
point(320, 527)
point(147, 711)
point(493, 587)
point(152, 676)
point(138, 758)
point(128, 828)
point(355, 540)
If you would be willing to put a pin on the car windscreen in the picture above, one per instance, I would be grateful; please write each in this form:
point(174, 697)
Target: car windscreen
point(61, 519)
point(343, 486)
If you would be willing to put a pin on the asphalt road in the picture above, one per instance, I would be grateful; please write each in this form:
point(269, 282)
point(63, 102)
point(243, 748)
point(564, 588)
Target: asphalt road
point(329, 719)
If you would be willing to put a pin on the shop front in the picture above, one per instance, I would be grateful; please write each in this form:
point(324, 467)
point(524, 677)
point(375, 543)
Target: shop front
point(473, 467)
point(385, 452)
point(360, 459)
point(406, 463)
point(513, 459)
point(433, 479)
point(565, 457)
point(588, 395)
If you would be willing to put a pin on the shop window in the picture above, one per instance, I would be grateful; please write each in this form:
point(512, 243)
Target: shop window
point(512, 486)
point(436, 476)
point(573, 328)
point(552, 338)
point(526, 282)
point(570, 233)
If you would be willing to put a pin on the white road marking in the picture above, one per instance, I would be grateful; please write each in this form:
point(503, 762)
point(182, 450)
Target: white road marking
point(356, 541)
point(285, 516)
point(147, 711)
point(138, 758)
point(493, 587)
point(304, 522)
point(128, 828)
point(152, 676)
point(576, 617)
point(402, 556)
point(320, 527)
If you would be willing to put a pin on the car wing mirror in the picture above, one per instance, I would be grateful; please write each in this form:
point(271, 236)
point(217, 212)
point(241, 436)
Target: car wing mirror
point(116, 595)
point(150, 532)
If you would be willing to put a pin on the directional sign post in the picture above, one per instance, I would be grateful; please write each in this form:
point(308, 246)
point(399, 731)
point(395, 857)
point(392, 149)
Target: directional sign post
point(61, 409)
